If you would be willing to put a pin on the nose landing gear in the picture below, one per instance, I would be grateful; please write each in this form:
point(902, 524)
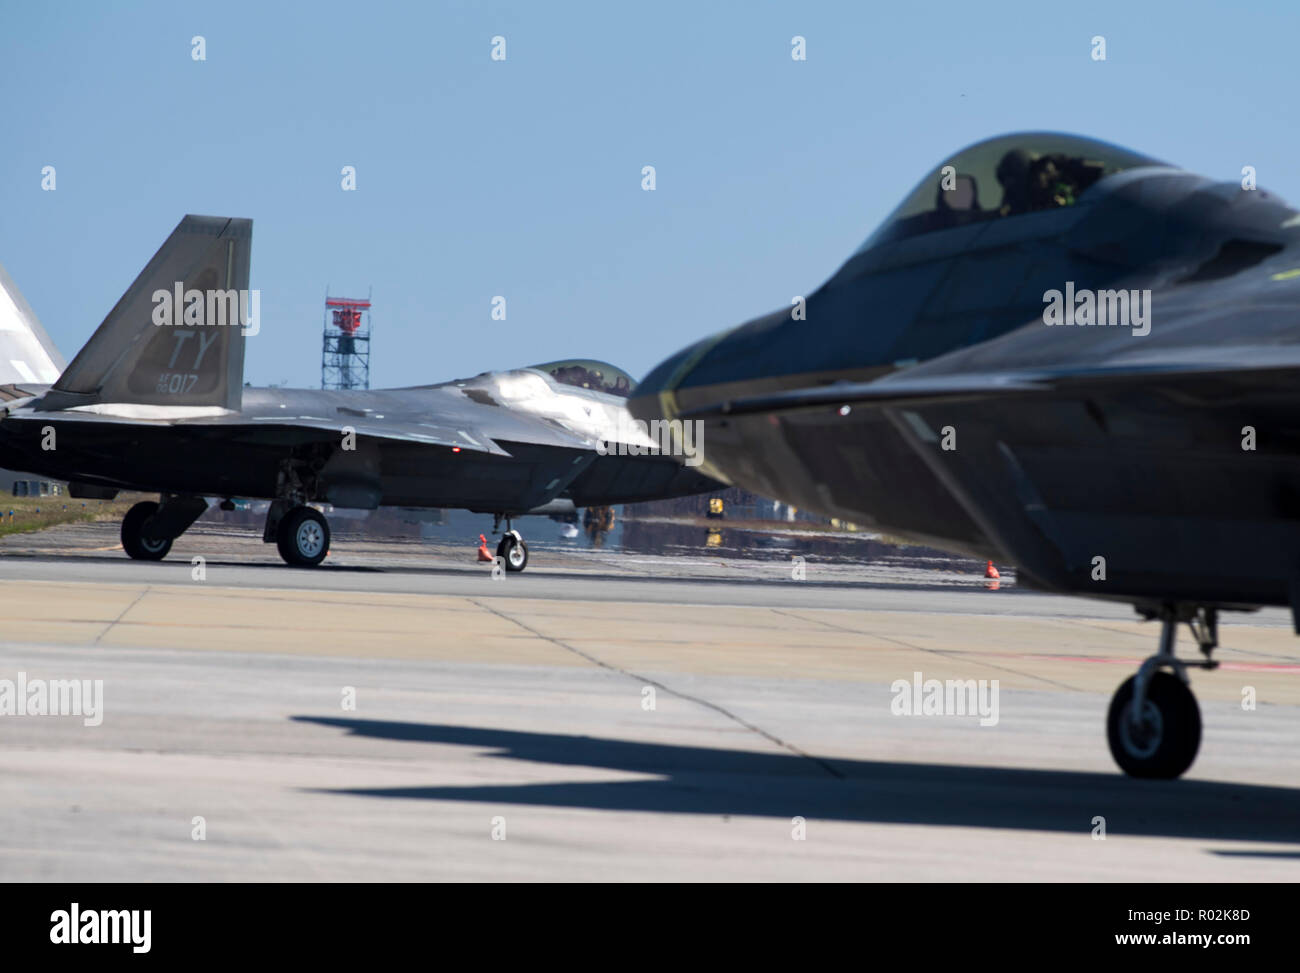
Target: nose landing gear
point(511, 549)
point(1154, 724)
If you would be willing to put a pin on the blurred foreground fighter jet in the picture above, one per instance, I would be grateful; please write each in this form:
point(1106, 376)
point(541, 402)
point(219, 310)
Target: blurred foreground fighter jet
point(155, 401)
point(1055, 353)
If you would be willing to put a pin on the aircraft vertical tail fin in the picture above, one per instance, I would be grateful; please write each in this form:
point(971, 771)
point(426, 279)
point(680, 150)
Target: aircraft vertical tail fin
point(176, 337)
point(27, 355)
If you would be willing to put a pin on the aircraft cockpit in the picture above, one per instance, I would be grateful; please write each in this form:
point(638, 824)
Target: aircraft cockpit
point(1005, 176)
point(585, 373)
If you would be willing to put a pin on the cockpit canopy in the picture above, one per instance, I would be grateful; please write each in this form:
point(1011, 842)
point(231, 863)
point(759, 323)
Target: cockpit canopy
point(584, 373)
point(1005, 176)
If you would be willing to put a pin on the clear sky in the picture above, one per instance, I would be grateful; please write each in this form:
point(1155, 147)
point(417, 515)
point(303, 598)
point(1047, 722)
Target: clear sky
point(522, 177)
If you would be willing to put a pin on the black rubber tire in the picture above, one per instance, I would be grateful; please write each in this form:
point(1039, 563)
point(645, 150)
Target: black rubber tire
point(133, 541)
point(303, 537)
point(1173, 729)
point(513, 552)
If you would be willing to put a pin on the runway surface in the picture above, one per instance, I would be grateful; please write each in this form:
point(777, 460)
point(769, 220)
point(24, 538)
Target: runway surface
point(503, 729)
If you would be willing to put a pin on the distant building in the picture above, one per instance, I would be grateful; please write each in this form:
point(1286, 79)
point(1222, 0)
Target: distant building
point(23, 485)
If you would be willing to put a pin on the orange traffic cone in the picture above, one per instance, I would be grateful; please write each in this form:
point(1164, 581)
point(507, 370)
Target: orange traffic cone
point(991, 571)
point(483, 553)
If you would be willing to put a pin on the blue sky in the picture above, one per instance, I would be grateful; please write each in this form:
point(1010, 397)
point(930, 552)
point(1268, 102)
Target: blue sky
point(522, 178)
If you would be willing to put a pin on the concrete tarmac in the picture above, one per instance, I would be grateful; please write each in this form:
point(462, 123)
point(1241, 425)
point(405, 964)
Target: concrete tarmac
point(400, 715)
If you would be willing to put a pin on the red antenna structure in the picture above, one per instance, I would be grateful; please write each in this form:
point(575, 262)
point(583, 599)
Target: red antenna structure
point(345, 348)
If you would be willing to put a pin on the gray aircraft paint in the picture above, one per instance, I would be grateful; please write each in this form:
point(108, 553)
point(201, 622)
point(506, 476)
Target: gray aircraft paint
point(501, 442)
point(1072, 442)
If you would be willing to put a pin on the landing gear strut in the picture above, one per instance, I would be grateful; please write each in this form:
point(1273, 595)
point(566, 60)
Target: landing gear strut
point(512, 549)
point(1154, 724)
point(299, 531)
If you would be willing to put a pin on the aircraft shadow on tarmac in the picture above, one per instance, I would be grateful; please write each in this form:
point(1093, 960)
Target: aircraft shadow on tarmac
point(703, 780)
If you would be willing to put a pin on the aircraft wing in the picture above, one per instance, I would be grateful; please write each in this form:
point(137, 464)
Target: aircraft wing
point(878, 393)
point(285, 427)
point(1250, 343)
point(419, 430)
point(903, 390)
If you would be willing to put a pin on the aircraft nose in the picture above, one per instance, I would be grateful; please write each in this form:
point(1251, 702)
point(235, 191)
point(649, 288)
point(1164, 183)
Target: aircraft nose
point(751, 357)
point(653, 397)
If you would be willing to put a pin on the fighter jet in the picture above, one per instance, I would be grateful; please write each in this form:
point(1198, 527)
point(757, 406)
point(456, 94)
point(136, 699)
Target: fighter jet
point(155, 402)
point(1055, 353)
point(26, 352)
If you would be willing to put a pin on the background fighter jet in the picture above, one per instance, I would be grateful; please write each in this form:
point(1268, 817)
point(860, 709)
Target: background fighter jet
point(155, 402)
point(1153, 457)
point(26, 352)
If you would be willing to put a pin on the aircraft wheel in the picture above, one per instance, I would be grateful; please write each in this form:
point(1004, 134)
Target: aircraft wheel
point(134, 542)
point(303, 537)
point(1163, 742)
point(515, 552)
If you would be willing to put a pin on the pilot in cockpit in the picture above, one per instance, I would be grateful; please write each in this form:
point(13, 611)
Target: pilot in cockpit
point(1032, 182)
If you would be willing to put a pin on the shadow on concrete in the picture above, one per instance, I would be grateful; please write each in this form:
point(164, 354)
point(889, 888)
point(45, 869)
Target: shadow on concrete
point(703, 780)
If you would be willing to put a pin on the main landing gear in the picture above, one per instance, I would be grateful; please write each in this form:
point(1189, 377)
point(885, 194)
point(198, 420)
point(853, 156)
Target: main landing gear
point(138, 544)
point(149, 528)
point(512, 549)
point(1154, 724)
point(301, 533)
